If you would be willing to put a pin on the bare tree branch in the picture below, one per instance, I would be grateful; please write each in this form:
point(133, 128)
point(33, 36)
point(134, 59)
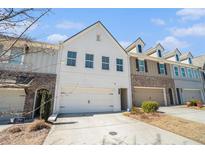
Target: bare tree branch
point(26, 29)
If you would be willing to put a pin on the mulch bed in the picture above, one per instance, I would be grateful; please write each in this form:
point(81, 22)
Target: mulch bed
point(20, 134)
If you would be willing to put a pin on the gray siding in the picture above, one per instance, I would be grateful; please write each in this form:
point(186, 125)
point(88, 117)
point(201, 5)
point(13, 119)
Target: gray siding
point(41, 62)
point(40, 59)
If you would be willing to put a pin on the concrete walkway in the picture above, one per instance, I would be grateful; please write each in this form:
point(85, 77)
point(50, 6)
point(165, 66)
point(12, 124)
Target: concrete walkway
point(186, 113)
point(4, 126)
point(109, 129)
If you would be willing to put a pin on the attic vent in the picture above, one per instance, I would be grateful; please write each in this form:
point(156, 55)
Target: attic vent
point(98, 38)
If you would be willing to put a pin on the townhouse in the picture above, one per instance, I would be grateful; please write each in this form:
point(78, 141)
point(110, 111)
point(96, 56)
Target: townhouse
point(150, 75)
point(200, 62)
point(187, 77)
point(93, 73)
point(26, 70)
point(169, 78)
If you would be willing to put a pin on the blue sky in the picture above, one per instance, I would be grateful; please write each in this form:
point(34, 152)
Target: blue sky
point(173, 28)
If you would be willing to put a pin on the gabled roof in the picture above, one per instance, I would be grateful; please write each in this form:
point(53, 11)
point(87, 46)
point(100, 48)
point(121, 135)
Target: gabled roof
point(153, 50)
point(94, 24)
point(185, 56)
point(171, 53)
point(133, 45)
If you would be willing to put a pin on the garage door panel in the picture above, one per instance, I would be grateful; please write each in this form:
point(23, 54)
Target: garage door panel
point(145, 94)
point(12, 100)
point(191, 94)
point(87, 100)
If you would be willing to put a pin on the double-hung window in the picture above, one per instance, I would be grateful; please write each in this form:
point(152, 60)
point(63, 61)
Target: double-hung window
point(141, 65)
point(189, 73)
point(71, 58)
point(176, 71)
point(183, 72)
point(89, 60)
point(105, 63)
point(119, 65)
point(192, 71)
point(199, 74)
point(195, 75)
point(161, 68)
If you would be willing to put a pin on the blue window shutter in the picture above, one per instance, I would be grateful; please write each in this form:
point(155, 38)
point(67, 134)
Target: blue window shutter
point(137, 65)
point(158, 68)
point(165, 68)
point(145, 63)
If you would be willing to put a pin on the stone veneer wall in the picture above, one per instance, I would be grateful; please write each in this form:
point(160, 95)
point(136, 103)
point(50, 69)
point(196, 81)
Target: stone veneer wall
point(38, 81)
point(154, 81)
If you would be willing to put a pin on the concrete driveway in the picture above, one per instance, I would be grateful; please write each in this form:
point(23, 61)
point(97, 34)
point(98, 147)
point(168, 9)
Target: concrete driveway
point(186, 113)
point(109, 129)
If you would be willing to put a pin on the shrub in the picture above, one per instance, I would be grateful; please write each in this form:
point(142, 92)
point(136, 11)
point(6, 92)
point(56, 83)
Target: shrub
point(150, 106)
point(38, 125)
point(193, 102)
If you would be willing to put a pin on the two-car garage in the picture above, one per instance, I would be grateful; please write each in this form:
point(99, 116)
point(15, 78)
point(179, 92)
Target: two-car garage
point(87, 99)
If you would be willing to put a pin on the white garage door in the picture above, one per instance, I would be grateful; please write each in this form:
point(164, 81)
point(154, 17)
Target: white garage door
point(11, 100)
point(145, 94)
point(84, 100)
point(191, 94)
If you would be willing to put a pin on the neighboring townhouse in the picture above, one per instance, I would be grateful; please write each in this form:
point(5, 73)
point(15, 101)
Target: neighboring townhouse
point(150, 75)
point(93, 75)
point(200, 62)
point(26, 70)
point(187, 77)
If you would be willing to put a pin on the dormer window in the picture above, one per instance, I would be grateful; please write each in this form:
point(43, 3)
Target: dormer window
point(190, 61)
point(159, 53)
point(177, 57)
point(139, 48)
